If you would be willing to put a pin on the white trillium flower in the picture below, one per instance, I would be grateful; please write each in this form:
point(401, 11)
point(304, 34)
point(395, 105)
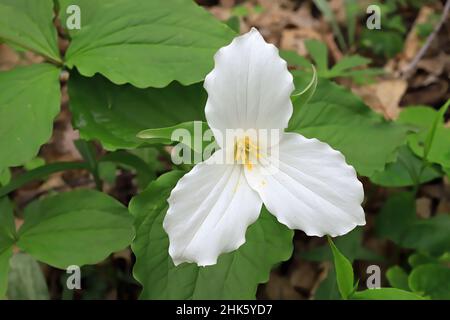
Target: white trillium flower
point(309, 186)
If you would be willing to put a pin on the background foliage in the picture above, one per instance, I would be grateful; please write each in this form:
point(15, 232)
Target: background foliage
point(96, 196)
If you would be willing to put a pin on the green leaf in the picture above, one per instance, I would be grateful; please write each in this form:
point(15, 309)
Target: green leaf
point(34, 163)
point(234, 23)
point(397, 278)
point(396, 215)
point(151, 156)
point(405, 171)
point(344, 67)
point(89, 154)
point(383, 43)
point(107, 172)
point(116, 114)
point(240, 11)
point(431, 139)
point(430, 235)
point(304, 95)
point(75, 228)
point(431, 280)
point(428, 123)
point(319, 53)
point(349, 62)
point(26, 281)
point(5, 256)
point(328, 289)
point(395, 23)
point(344, 272)
point(419, 258)
point(351, 247)
point(235, 276)
point(190, 129)
point(130, 161)
point(29, 102)
point(362, 76)
point(294, 59)
point(420, 117)
point(151, 45)
point(5, 176)
point(339, 118)
point(351, 14)
point(40, 173)
point(7, 239)
point(29, 24)
point(385, 294)
point(7, 226)
point(398, 222)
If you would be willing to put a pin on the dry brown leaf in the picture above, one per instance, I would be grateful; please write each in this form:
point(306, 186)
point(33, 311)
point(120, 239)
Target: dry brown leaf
point(444, 202)
point(279, 288)
point(422, 80)
point(220, 13)
point(423, 207)
point(304, 276)
point(338, 8)
point(383, 97)
point(413, 42)
point(8, 58)
point(435, 65)
point(433, 191)
point(55, 181)
point(325, 267)
point(227, 3)
point(431, 94)
point(124, 254)
point(302, 18)
point(294, 39)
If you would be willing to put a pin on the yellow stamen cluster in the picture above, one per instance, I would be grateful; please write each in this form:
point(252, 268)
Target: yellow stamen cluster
point(245, 151)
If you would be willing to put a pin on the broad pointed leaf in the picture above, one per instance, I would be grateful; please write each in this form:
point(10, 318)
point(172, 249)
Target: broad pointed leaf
point(75, 228)
point(423, 119)
point(29, 101)
point(405, 171)
point(344, 271)
point(385, 294)
point(153, 44)
point(116, 114)
point(397, 278)
point(29, 24)
point(398, 222)
point(431, 280)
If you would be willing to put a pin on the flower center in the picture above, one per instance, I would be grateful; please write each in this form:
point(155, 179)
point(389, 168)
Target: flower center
point(246, 152)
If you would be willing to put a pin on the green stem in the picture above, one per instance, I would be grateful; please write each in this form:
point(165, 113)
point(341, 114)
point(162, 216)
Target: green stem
point(324, 7)
point(87, 151)
point(430, 137)
point(40, 173)
point(429, 141)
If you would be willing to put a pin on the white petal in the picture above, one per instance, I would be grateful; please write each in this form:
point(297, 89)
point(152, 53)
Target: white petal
point(313, 189)
point(209, 212)
point(249, 87)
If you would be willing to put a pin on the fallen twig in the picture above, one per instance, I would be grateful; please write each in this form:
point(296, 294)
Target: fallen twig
point(409, 69)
